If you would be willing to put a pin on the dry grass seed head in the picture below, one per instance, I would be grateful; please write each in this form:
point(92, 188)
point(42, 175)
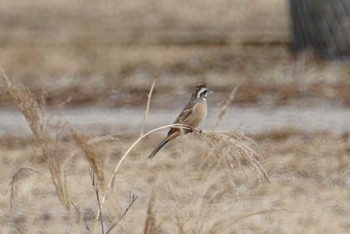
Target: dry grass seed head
point(37, 121)
point(96, 159)
point(236, 149)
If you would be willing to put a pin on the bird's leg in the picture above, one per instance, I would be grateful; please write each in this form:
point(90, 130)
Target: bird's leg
point(191, 130)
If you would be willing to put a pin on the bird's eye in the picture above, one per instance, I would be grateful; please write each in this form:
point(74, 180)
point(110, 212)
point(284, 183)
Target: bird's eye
point(203, 94)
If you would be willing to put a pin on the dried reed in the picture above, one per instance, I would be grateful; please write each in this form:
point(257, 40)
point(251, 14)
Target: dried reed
point(38, 122)
point(147, 108)
point(14, 180)
point(236, 149)
point(234, 145)
point(80, 218)
point(96, 159)
point(132, 199)
point(112, 179)
point(97, 193)
point(224, 106)
point(150, 225)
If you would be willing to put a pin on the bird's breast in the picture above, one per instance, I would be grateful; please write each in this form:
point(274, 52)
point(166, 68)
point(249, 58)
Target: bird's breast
point(199, 112)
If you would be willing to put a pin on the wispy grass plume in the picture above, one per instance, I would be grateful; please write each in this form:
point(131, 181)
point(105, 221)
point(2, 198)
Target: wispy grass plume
point(38, 122)
point(95, 159)
point(236, 149)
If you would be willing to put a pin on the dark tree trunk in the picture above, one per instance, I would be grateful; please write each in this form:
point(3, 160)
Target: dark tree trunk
point(322, 26)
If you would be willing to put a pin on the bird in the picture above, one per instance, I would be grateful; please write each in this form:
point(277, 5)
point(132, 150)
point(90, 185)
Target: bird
point(191, 116)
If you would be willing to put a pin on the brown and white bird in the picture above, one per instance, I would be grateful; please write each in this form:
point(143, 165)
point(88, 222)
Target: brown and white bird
point(192, 115)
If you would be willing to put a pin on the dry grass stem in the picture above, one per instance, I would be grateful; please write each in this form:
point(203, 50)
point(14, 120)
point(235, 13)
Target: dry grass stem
point(113, 177)
point(180, 126)
point(150, 225)
point(147, 108)
point(37, 121)
point(224, 106)
point(108, 138)
point(80, 218)
point(97, 193)
point(133, 198)
point(15, 178)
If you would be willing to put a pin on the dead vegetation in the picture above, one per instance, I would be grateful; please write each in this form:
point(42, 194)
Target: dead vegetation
point(237, 152)
point(207, 182)
point(187, 189)
point(38, 121)
point(210, 185)
point(233, 147)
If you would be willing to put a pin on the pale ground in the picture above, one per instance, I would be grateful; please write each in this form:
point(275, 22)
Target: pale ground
point(251, 120)
point(190, 188)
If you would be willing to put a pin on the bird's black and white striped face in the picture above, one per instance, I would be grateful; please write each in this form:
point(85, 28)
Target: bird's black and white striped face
point(201, 92)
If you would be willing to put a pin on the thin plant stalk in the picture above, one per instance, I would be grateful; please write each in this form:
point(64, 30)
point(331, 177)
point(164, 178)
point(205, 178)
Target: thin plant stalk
point(112, 179)
point(225, 106)
point(147, 108)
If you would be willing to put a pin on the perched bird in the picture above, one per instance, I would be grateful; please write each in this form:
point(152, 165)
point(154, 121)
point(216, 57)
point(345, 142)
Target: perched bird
point(192, 115)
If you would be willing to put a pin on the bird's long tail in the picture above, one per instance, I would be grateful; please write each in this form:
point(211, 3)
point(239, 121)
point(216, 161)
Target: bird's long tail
point(159, 147)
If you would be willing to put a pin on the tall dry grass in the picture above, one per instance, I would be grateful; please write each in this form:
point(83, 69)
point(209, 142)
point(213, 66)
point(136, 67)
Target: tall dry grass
point(94, 155)
point(237, 151)
point(233, 146)
point(233, 149)
point(38, 121)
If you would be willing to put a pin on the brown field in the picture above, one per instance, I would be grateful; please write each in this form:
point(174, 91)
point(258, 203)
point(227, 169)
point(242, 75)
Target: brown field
point(185, 189)
point(108, 53)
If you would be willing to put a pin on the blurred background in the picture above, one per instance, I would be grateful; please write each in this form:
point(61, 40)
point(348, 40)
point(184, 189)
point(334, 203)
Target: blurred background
point(106, 54)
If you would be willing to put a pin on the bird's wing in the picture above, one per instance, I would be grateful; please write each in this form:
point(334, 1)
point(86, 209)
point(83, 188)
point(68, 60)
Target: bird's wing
point(185, 113)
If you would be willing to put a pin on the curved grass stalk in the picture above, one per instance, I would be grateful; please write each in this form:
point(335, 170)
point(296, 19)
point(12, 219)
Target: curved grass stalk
point(112, 179)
